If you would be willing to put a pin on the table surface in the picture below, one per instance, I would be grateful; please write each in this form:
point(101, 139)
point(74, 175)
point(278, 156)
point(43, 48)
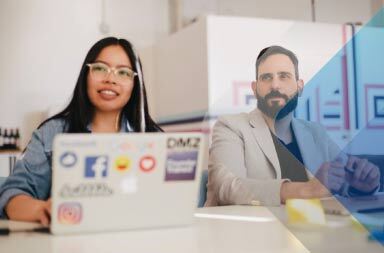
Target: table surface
point(216, 229)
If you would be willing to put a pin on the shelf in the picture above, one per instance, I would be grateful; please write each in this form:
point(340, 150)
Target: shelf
point(10, 152)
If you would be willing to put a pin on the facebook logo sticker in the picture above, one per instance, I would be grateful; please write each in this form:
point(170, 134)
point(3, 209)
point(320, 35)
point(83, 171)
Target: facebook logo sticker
point(96, 166)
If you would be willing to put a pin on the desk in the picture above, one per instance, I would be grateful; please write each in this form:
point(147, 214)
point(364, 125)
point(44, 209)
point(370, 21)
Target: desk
point(338, 236)
point(229, 229)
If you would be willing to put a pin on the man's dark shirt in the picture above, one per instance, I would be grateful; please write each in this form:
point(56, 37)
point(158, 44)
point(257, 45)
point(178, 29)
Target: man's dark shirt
point(290, 159)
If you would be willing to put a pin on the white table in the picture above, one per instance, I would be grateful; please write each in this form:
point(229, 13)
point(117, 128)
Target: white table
point(339, 235)
point(232, 229)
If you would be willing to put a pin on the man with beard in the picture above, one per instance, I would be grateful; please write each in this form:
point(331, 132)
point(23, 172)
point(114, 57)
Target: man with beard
point(266, 156)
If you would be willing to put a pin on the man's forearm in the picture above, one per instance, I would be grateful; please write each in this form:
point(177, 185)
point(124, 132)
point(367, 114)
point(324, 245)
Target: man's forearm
point(303, 190)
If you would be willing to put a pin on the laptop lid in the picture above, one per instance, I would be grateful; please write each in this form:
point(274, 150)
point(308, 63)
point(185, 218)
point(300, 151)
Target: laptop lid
point(104, 182)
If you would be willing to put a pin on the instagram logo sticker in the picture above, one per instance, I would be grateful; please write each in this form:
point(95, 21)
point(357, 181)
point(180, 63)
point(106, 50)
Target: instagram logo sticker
point(70, 213)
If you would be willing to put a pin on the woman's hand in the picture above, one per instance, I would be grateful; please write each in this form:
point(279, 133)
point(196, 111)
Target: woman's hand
point(26, 208)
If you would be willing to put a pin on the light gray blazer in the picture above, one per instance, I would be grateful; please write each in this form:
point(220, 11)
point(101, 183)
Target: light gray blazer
point(243, 165)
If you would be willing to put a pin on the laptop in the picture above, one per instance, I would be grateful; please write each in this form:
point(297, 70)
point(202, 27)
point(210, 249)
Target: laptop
point(111, 182)
point(351, 205)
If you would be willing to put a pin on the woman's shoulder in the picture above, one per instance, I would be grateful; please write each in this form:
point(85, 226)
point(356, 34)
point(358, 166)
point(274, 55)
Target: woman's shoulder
point(53, 126)
point(50, 128)
point(43, 136)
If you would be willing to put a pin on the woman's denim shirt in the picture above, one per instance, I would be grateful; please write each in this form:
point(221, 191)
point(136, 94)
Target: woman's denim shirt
point(32, 174)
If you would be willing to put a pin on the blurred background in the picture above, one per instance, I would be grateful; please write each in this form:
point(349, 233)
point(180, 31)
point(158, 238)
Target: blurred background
point(197, 54)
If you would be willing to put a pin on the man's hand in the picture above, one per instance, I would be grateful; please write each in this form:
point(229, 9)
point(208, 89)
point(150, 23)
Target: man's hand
point(364, 176)
point(331, 175)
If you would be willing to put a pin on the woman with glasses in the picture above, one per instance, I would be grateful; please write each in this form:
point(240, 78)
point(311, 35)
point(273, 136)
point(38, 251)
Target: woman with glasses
point(109, 97)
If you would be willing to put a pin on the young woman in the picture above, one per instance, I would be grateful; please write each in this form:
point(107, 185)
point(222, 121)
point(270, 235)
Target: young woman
point(109, 97)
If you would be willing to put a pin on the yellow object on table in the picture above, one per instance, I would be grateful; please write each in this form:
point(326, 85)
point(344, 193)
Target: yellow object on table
point(305, 211)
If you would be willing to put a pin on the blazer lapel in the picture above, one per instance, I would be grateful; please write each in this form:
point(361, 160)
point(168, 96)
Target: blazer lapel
point(310, 152)
point(264, 139)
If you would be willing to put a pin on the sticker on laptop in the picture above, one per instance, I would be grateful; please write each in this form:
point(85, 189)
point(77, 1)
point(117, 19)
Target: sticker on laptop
point(180, 143)
point(86, 190)
point(96, 167)
point(121, 147)
point(144, 147)
point(181, 162)
point(147, 163)
point(70, 213)
point(122, 163)
point(128, 146)
point(181, 165)
point(68, 159)
point(129, 185)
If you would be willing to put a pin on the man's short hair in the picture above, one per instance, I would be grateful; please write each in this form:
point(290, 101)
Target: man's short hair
point(272, 50)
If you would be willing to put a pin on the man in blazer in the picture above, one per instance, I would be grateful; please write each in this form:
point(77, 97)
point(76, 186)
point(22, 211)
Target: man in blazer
point(266, 156)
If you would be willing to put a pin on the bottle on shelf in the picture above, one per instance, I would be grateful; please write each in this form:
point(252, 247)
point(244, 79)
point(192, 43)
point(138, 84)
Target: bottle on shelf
point(17, 141)
point(9, 139)
point(12, 139)
point(6, 139)
point(1, 139)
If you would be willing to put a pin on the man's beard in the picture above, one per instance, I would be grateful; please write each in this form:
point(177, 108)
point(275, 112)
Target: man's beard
point(275, 111)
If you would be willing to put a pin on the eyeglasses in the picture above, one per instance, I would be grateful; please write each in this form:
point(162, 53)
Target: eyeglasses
point(100, 71)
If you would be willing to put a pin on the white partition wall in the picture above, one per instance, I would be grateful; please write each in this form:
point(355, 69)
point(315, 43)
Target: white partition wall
point(181, 85)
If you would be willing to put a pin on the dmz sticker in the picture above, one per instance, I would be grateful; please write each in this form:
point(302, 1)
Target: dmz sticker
point(70, 213)
point(191, 143)
point(181, 165)
point(96, 166)
point(68, 159)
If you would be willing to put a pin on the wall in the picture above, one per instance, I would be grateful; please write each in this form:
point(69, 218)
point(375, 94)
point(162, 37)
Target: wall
point(328, 11)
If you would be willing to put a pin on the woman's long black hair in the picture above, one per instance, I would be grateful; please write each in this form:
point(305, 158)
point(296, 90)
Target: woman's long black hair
point(79, 112)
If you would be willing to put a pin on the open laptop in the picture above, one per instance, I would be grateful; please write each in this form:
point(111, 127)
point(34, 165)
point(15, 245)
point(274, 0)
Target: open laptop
point(109, 182)
point(350, 205)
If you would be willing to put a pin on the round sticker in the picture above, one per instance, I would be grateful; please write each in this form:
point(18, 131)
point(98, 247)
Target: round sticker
point(122, 163)
point(147, 163)
point(68, 159)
